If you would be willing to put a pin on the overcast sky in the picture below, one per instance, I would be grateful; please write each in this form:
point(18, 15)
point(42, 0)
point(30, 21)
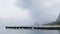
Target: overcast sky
point(41, 11)
point(27, 12)
point(12, 15)
point(23, 12)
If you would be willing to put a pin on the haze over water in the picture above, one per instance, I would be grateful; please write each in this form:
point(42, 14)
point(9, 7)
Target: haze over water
point(27, 12)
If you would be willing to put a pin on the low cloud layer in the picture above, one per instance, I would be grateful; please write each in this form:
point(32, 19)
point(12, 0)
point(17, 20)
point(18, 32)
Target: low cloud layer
point(12, 15)
point(28, 11)
point(41, 10)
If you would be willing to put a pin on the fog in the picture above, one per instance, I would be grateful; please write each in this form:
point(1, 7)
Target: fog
point(27, 12)
point(41, 11)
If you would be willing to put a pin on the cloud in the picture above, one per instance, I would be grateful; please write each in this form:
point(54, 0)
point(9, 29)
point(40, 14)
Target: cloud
point(10, 14)
point(9, 10)
point(41, 10)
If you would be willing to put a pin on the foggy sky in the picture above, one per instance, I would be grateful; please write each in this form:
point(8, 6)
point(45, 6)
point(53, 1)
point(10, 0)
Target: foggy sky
point(12, 15)
point(18, 12)
point(27, 12)
point(41, 10)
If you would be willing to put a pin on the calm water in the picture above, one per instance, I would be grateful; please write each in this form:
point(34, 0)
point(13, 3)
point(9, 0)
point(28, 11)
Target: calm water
point(12, 31)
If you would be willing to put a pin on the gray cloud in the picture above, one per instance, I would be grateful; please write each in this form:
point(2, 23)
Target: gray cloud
point(41, 10)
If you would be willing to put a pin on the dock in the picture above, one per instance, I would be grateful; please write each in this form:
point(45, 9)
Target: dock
point(30, 27)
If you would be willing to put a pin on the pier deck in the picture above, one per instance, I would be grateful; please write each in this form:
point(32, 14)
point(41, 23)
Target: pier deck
point(28, 27)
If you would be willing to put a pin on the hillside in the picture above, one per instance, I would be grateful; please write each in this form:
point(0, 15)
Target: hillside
point(57, 22)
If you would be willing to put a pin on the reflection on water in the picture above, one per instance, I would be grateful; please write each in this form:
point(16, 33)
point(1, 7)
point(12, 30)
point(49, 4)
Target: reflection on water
point(58, 31)
point(44, 32)
point(22, 31)
point(30, 31)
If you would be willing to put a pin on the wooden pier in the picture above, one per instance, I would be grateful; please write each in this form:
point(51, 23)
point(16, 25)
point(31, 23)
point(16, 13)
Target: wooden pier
point(28, 27)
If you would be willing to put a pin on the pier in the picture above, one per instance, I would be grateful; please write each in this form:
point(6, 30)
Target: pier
point(28, 27)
